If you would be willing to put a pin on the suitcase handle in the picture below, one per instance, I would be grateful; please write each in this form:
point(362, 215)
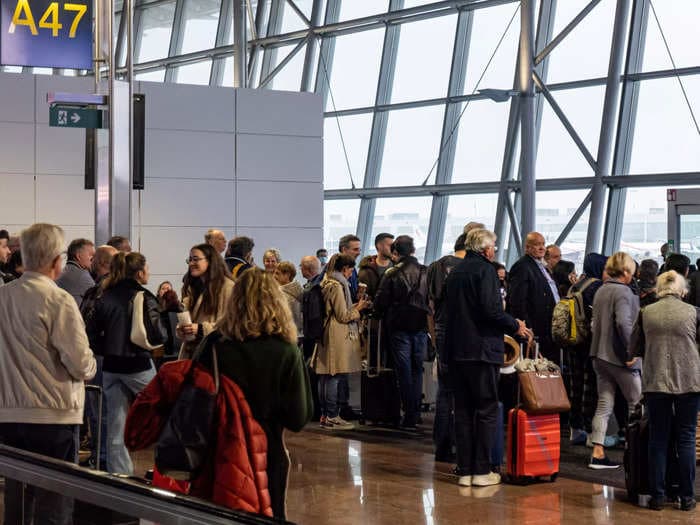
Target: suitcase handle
point(98, 390)
point(379, 351)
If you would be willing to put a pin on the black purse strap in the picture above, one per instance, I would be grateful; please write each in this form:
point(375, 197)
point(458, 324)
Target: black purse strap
point(206, 345)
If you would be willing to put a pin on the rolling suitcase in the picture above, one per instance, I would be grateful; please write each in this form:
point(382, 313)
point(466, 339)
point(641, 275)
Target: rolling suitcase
point(379, 397)
point(532, 447)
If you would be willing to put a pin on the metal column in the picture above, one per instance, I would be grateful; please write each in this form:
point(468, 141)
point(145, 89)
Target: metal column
point(240, 46)
point(607, 128)
point(527, 115)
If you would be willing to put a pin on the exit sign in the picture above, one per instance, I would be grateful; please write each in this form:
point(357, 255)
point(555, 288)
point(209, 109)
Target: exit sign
point(74, 117)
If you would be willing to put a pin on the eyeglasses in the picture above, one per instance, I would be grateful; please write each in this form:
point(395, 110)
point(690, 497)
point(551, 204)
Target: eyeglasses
point(191, 260)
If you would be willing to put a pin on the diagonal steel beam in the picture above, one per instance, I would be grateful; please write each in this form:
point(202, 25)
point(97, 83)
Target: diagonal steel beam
point(264, 82)
point(574, 219)
point(299, 12)
point(565, 32)
point(565, 121)
point(514, 223)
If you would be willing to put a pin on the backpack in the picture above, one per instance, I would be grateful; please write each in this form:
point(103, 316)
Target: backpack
point(313, 311)
point(570, 324)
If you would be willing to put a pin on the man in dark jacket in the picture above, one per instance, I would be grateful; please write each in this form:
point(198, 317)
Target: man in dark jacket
point(373, 267)
point(474, 351)
point(4, 255)
point(402, 300)
point(533, 294)
point(239, 255)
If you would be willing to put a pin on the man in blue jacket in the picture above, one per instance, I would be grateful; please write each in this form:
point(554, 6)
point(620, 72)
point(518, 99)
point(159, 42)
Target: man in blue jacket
point(476, 323)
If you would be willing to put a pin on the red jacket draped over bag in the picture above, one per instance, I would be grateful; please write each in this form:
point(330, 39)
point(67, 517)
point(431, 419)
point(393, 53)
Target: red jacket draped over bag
point(235, 474)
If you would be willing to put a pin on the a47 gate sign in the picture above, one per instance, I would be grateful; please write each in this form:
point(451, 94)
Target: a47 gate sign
point(45, 33)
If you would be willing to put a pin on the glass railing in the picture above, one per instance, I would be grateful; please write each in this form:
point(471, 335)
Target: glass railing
point(102, 498)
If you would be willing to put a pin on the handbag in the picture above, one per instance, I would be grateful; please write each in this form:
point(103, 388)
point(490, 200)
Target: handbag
point(139, 335)
point(542, 389)
point(186, 439)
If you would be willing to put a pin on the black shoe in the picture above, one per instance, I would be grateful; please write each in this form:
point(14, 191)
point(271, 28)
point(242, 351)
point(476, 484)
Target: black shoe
point(602, 464)
point(688, 504)
point(657, 503)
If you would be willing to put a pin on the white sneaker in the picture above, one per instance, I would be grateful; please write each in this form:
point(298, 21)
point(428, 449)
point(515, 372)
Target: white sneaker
point(464, 481)
point(486, 480)
point(339, 423)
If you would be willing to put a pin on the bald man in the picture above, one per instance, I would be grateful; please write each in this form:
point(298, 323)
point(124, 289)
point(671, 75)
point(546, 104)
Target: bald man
point(216, 239)
point(102, 261)
point(532, 294)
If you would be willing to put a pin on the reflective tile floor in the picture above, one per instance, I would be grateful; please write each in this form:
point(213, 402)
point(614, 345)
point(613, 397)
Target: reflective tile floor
point(340, 481)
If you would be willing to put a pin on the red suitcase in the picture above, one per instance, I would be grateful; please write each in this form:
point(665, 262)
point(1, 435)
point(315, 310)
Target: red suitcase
point(532, 446)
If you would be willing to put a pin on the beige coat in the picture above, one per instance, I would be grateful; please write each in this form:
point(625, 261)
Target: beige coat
point(208, 322)
point(293, 292)
point(337, 353)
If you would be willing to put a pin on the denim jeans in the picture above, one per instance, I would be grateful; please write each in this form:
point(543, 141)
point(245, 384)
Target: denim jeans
point(119, 392)
point(38, 505)
point(675, 415)
point(409, 350)
point(92, 413)
point(328, 394)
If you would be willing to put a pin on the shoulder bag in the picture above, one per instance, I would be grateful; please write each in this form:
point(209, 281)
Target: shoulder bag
point(139, 334)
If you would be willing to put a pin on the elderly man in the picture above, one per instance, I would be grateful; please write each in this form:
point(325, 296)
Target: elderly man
point(216, 239)
point(474, 349)
point(44, 360)
point(533, 294)
point(75, 278)
point(552, 255)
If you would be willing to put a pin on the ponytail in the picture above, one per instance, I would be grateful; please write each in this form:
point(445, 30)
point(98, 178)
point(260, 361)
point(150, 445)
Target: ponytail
point(124, 266)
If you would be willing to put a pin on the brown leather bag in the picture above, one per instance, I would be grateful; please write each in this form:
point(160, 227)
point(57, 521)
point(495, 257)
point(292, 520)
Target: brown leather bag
point(542, 392)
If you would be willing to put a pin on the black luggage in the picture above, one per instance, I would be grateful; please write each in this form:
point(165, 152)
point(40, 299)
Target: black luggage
point(636, 460)
point(380, 399)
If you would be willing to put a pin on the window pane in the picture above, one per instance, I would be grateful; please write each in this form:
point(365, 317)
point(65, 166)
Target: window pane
point(227, 79)
point(156, 27)
point(489, 24)
point(350, 9)
point(197, 73)
point(289, 77)
point(291, 21)
point(678, 19)
point(665, 138)
point(554, 210)
point(480, 142)
point(411, 147)
point(157, 75)
point(404, 216)
point(201, 21)
point(462, 209)
point(644, 228)
point(424, 72)
point(585, 52)
point(354, 69)
point(340, 218)
point(558, 155)
point(355, 131)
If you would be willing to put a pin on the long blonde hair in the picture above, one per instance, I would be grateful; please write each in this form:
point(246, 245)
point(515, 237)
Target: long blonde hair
point(257, 308)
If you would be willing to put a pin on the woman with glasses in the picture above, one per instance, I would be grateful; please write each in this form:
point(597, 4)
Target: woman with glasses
point(206, 290)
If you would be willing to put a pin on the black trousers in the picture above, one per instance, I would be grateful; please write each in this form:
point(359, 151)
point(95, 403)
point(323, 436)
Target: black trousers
point(37, 505)
point(475, 387)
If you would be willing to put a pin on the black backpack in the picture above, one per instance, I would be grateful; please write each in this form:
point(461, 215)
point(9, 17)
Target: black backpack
point(418, 293)
point(314, 312)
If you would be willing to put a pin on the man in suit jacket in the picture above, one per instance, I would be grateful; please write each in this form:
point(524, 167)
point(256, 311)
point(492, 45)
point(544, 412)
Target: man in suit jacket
point(532, 294)
point(474, 349)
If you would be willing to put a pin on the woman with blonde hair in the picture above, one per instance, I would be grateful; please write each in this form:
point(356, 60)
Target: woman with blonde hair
point(615, 308)
point(338, 352)
point(271, 258)
point(206, 290)
point(666, 335)
point(292, 290)
point(258, 351)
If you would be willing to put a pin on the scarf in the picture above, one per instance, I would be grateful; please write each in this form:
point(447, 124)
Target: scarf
point(354, 331)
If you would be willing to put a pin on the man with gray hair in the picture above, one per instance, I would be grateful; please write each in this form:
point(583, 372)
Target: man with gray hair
point(44, 359)
point(216, 239)
point(75, 278)
point(473, 226)
point(474, 351)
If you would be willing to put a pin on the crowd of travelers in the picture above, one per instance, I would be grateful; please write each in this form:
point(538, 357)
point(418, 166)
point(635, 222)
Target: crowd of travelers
point(67, 318)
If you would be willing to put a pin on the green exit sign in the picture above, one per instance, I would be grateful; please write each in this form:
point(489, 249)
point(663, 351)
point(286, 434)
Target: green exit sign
point(76, 117)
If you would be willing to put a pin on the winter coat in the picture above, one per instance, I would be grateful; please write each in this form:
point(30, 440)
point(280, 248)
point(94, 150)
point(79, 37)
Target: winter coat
point(235, 474)
point(337, 352)
point(208, 322)
point(370, 275)
point(293, 293)
point(402, 298)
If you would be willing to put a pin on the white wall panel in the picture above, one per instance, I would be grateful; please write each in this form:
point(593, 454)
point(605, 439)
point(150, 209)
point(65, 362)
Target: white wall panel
point(60, 151)
point(17, 147)
point(280, 204)
point(189, 154)
point(167, 248)
point(278, 113)
point(293, 243)
point(188, 203)
point(49, 83)
point(61, 199)
point(20, 90)
point(294, 158)
point(186, 107)
point(17, 205)
point(78, 232)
